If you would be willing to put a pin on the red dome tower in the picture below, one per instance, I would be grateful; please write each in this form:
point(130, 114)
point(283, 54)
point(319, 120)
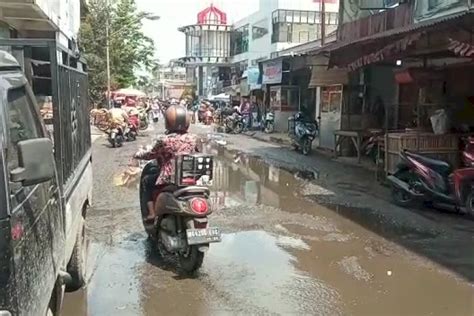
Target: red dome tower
point(212, 15)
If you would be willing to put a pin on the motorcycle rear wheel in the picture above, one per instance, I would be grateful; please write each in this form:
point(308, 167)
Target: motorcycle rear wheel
point(132, 136)
point(192, 260)
point(306, 147)
point(144, 125)
point(269, 127)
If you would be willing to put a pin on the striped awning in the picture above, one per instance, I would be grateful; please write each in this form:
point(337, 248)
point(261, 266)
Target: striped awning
point(460, 48)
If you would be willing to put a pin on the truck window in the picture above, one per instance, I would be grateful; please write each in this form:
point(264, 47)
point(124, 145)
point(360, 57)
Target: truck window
point(22, 125)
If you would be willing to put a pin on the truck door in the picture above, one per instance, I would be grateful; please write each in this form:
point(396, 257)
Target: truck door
point(35, 220)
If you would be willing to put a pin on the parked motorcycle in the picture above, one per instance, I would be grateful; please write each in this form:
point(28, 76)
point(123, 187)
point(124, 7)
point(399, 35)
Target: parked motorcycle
point(302, 132)
point(182, 209)
point(269, 124)
point(116, 136)
point(419, 178)
point(234, 123)
point(467, 153)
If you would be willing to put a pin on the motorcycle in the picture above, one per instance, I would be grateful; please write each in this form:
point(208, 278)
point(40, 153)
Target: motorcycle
point(419, 179)
point(302, 132)
point(155, 115)
point(116, 136)
point(269, 124)
point(467, 155)
point(208, 117)
point(234, 123)
point(132, 131)
point(144, 121)
point(182, 227)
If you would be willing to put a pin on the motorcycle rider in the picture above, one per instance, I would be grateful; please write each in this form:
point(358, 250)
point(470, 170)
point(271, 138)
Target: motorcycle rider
point(118, 116)
point(176, 141)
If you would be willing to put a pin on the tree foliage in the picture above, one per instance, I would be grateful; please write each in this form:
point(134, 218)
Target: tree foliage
point(130, 50)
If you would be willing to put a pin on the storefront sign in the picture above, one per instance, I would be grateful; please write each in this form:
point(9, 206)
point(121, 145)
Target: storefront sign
point(244, 87)
point(252, 78)
point(272, 72)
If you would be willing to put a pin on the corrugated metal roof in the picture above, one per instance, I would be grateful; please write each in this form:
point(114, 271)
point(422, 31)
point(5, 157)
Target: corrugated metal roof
point(402, 30)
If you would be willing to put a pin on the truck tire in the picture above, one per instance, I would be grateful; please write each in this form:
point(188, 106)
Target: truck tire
point(77, 265)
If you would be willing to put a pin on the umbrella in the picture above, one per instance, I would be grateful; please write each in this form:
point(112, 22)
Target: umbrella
point(129, 92)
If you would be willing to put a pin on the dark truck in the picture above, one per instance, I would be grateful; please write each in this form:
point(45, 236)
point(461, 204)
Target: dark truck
point(46, 175)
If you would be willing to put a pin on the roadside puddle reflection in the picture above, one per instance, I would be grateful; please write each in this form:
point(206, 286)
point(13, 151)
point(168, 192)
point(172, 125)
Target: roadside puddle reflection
point(255, 268)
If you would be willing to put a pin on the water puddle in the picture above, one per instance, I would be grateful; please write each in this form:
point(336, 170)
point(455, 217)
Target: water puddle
point(255, 270)
point(281, 254)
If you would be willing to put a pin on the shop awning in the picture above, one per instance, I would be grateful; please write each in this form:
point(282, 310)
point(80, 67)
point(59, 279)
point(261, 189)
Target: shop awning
point(322, 76)
point(363, 51)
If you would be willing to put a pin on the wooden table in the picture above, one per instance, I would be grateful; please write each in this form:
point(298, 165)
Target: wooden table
point(355, 136)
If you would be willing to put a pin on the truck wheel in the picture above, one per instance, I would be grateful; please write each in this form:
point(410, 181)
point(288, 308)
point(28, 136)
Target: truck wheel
point(77, 265)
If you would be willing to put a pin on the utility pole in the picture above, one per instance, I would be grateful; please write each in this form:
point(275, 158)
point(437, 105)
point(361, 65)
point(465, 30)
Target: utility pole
point(107, 49)
point(323, 22)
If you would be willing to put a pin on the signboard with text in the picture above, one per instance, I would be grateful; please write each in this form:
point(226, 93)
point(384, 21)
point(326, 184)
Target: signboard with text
point(272, 72)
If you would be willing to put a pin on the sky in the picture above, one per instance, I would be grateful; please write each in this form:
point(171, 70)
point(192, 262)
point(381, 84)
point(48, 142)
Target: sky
point(169, 42)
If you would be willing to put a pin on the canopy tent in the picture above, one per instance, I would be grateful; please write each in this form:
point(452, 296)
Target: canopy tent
point(219, 97)
point(128, 92)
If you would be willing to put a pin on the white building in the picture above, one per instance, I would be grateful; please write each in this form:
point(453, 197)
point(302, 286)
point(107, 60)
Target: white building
point(59, 19)
point(221, 53)
point(278, 25)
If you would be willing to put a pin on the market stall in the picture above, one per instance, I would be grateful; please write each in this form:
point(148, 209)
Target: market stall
point(442, 113)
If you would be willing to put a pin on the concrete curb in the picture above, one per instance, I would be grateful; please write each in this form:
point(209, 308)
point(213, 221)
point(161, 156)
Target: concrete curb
point(268, 138)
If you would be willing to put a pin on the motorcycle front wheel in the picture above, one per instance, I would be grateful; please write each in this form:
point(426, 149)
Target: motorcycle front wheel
point(239, 127)
point(192, 260)
point(399, 196)
point(269, 127)
point(306, 147)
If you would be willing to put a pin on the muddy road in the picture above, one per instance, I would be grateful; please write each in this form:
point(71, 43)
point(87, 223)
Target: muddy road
point(282, 253)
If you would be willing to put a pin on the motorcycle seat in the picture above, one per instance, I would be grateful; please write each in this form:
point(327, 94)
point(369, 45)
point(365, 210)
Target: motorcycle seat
point(192, 190)
point(440, 166)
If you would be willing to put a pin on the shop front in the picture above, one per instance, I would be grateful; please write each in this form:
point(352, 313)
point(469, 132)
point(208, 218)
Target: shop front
point(329, 86)
point(280, 97)
point(418, 86)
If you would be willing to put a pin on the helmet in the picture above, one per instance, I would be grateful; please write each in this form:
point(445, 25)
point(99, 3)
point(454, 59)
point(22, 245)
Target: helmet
point(176, 119)
point(117, 103)
point(299, 116)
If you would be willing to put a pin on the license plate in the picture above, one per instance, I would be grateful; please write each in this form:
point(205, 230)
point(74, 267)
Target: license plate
point(203, 236)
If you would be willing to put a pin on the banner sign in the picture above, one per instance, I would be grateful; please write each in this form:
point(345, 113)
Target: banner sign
point(272, 72)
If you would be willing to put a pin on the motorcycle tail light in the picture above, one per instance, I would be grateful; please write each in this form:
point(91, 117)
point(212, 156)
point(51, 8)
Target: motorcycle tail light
point(189, 181)
point(199, 206)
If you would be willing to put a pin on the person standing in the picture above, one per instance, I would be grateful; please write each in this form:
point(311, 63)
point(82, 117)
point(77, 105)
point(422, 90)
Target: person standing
point(245, 109)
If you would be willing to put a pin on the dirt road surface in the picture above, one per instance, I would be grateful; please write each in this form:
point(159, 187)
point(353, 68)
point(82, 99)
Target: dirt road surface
point(289, 247)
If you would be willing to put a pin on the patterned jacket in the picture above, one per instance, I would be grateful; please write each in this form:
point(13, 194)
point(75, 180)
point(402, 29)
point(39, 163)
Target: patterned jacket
point(165, 149)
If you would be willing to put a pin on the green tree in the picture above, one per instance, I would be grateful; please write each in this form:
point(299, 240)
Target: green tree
point(92, 43)
point(130, 49)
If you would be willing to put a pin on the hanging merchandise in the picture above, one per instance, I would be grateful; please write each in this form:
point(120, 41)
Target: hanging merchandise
point(440, 122)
